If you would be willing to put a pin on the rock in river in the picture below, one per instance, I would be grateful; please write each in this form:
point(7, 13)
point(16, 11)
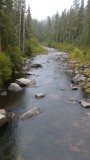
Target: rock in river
point(25, 82)
point(36, 65)
point(14, 87)
point(5, 117)
point(32, 113)
point(74, 87)
point(3, 120)
point(79, 78)
point(40, 95)
point(85, 103)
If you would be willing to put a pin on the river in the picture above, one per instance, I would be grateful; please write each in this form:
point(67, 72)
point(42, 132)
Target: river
point(61, 131)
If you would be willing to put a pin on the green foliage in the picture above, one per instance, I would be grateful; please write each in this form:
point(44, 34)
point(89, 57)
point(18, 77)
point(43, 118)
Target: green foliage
point(88, 56)
point(76, 53)
point(5, 68)
point(34, 47)
point(14, 53)
point(64, 47)
point(86, 87)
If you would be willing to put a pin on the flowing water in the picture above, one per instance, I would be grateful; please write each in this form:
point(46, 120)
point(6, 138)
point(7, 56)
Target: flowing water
point(61, 131)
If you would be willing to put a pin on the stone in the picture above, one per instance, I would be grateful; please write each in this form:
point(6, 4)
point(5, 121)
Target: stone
point(36, 65)
point(85, 103)
point(71, 100)
point(4, 93)
point(25, 82)
point(32, 82)
point(79, 78)
point(2, 111)
point(30, 73)
point(14, 87)
point(40, 95)
point(74, 87)
point(88, 114)
point(32, 113)
point(3, 120)
point(74, 62)
point(10, 115)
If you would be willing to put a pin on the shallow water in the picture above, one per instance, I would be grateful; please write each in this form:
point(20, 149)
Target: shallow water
point(61, 131)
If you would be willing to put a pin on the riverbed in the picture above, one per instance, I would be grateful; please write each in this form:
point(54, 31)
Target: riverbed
point(61, 131)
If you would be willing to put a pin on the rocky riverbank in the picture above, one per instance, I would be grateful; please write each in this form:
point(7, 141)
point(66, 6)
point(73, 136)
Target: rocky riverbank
point(80, 74)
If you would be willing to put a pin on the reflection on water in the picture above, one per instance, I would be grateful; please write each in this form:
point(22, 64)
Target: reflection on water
point(61, 131)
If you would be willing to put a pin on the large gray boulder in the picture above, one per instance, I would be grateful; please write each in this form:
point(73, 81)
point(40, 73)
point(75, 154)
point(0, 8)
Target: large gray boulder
point(14, 87)
point(25, 82)
point(32, 113)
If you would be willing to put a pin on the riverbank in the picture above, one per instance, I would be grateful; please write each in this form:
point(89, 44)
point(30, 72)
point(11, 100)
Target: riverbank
point(79, 63)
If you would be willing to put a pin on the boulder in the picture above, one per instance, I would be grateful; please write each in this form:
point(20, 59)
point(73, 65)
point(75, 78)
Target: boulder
point(14, 87)
point(40, 95)
point(32, 113)
point(25, 82)
point(85, 103)
point(4, 93)
point(36, 65)
point(3, 120)
point(79, 78)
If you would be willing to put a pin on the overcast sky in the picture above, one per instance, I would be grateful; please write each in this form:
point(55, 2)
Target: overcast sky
point(40, 9)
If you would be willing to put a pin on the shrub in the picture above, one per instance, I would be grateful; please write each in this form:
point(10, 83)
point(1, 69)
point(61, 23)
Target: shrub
point(14, 54)
point(33, 47)
point(5, 68)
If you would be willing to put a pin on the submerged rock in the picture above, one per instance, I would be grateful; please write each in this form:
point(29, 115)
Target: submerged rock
point(14, 87)
point(36, 65)
point(88, 114)
point(40, 95)
point(32, 113)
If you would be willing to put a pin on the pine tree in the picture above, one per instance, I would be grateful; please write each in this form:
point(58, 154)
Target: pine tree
point(28, 24)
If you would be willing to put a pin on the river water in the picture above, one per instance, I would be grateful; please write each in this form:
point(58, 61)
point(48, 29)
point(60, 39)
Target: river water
point(61, 131)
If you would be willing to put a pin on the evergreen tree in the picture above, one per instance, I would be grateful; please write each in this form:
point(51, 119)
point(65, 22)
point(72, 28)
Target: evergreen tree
point(28, 24)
